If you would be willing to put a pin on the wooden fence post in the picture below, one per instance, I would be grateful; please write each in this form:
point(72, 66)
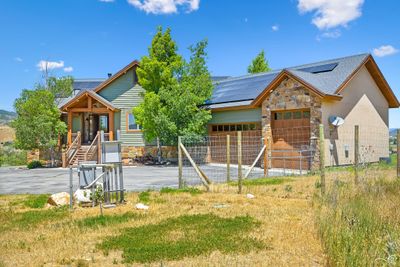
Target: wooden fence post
point(398, 153)
point(356, 152)
point(239, 158)
point(228, 158)
point(180, 162)
point(322, 157)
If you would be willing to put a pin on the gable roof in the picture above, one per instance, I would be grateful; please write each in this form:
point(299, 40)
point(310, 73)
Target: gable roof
point(86, 93)
point(116, 75)
point(325, 78)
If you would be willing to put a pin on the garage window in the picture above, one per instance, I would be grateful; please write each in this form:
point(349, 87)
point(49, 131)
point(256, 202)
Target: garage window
point(236, 127)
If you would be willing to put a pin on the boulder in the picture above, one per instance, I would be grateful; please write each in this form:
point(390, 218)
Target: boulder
point(141, 206)
point(82, 195)
point(250, 196)
point(59, 199)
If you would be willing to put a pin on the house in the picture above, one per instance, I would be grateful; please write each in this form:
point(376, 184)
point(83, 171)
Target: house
point(286, 105)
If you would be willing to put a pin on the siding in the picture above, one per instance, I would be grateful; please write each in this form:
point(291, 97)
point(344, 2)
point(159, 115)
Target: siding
point(231, 116)
point(125, 95)
point(76, 123)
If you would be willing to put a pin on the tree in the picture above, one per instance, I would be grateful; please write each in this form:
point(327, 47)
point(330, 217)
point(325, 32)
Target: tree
point(60, 87)
point(259, 64)
point(175, 91)
point(38, 123)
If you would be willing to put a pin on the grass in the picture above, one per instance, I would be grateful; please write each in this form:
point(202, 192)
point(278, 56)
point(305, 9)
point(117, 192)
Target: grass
point(30, 219)
point(35, 201)
point(144, 197)
point(190, 190)
point(262, 181)
point(185, 236)
point(106, 220)
point(359, 225)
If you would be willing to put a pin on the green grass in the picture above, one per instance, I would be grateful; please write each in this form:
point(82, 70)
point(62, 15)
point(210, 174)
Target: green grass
point(30, 219)
point(263, 181)
point(106, 220)
point(35, 201)
point(190, 190)
point(184, 236)
point(360, 228)
point(144, 197)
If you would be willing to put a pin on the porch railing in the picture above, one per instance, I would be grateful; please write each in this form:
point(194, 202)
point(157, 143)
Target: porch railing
point(93, 152)
point(73, 149)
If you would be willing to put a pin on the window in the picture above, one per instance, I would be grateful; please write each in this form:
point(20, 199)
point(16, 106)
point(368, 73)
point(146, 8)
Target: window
point(297, 115)
point(235, 127)
point(306, 114)
point(103, 123)
point(288, 115)
point(132, 125)
point(278, 116)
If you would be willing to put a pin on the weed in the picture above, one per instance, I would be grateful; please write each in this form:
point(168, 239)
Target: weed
point(144, 197)
point(185, 236)
point(263, 181)
point(288, 188)
point(36, 201)
point(190, 190)
point(106, 220)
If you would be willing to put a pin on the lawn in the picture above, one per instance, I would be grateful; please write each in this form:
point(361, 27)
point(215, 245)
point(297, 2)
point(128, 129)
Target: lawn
point(187, 227)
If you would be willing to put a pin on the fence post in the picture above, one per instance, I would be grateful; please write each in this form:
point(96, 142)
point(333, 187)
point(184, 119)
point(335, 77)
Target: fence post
point(322, 157)
point(70, 187)
point(266, 154)
point(398, 153)
point(228, 158)
point(239, 158)
point(180, 162)
point(356, 152)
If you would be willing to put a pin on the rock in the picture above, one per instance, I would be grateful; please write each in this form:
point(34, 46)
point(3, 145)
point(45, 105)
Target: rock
point(250, 196)
point(82, 195)
point(59, 199)
point(141, 206)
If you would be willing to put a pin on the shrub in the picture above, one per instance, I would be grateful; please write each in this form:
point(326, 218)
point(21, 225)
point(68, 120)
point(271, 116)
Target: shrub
point(34, 164)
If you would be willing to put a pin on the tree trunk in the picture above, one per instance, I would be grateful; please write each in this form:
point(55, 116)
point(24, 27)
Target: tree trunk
point(159, 152)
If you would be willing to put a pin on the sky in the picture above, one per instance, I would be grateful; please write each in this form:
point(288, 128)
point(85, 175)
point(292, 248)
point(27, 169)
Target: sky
point(90, 38)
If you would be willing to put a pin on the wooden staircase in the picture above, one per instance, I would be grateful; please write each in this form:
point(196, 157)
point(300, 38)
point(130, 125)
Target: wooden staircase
point(80, 155)
point(77, 153)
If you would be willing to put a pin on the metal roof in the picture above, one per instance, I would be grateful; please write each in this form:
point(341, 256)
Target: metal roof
point(326, 76)
point(87, 84)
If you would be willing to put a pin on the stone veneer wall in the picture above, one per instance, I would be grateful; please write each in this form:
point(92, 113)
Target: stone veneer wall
point(130, 152)
point(292, 95)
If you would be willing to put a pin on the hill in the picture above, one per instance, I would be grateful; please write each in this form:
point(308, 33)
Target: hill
point(6, 116)
point(392, 132)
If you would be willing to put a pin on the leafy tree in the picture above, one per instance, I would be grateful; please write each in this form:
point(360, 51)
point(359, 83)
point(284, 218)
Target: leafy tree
point(38, 123)
point(60, 87)
point(175, 91)
point(259, 64)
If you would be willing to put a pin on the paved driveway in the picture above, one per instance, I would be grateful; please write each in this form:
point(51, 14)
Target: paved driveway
point(38, 181)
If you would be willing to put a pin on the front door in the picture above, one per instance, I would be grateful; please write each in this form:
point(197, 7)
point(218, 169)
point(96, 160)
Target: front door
point(90, 127)
point(291, 139)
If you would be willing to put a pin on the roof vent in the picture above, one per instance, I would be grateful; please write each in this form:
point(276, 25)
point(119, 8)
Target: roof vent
point(109, 75)
point(336, 120)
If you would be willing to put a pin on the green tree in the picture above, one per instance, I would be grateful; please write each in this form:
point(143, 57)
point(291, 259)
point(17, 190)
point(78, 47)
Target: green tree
point(259, 64)
point(175, 91)
point(38, 123)
point(60, 87)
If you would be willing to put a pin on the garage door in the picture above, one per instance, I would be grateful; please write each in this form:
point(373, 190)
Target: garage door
point(291, 139)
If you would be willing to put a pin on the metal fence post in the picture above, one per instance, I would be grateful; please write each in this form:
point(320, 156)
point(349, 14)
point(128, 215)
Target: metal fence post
point(398, 153)
point(70, 187)
point(180, 162)
point(228, 158)
point(266, 155)
point(356, 152)
point(322, 157)
point(239, 156)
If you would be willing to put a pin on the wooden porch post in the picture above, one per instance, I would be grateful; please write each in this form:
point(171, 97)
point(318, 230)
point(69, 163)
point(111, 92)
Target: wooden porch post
point(111, 125)
point(69, 136)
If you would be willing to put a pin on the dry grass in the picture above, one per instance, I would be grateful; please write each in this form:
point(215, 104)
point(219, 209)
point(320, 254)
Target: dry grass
point(7, 134)
point(284, 211)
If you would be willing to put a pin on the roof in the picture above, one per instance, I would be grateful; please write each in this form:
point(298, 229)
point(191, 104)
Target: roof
point(325, 76)
point(86, 84)
point(91, 93)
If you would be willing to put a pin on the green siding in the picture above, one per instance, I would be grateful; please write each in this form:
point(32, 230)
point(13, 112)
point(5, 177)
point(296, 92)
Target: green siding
point(125, 96)
point(76, 123)
point(245, 115)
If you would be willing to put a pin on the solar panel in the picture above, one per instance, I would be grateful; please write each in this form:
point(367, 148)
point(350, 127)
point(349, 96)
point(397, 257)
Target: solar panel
point(320, 68)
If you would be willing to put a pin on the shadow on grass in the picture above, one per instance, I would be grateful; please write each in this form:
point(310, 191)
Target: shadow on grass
point(191, 190)
point(106, 220)
point(185, 236)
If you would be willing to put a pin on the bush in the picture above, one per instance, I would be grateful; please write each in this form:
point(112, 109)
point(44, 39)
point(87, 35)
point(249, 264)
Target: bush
point(9, 156)
point(34, 164)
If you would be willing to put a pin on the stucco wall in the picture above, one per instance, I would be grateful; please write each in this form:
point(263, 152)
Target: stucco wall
point(363, 104)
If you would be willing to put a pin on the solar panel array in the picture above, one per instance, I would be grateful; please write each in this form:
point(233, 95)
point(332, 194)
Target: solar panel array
point(320, 68)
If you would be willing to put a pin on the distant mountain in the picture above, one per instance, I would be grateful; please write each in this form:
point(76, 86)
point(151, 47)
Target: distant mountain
point(6, 116)
point(392, 132)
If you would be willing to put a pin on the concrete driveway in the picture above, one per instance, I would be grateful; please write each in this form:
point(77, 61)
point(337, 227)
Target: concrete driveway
point(38, 181)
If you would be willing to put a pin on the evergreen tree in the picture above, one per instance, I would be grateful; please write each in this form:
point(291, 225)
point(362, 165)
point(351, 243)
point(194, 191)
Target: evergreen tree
point(259, 64)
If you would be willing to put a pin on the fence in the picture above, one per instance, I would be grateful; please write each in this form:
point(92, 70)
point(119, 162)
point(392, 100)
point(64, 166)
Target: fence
point(228, 157)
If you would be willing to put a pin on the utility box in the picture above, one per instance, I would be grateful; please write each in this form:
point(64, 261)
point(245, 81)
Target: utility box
point(111, 152)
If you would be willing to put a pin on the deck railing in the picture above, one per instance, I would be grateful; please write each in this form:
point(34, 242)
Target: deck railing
point(73, 149)
point(92, 153)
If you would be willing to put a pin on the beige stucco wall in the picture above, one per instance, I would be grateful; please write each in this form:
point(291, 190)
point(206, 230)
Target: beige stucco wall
point(363, 104)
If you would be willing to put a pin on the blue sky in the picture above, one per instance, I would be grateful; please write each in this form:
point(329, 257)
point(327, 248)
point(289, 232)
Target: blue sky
point(89, 38)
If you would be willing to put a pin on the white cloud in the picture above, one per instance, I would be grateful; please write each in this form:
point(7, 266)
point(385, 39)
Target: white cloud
point(18, 59)
point(275, 28)
point(107, 1)
point(50, 65)
point(332, 34)
point(385, 50)
point(165, 6)
point(68, 69)
point(331, 13)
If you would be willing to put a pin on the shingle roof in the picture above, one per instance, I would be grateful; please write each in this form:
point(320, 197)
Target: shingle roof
point(326, 76)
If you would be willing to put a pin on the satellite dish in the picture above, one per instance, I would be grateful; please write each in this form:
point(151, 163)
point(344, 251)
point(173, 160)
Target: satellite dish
point(336, 121)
